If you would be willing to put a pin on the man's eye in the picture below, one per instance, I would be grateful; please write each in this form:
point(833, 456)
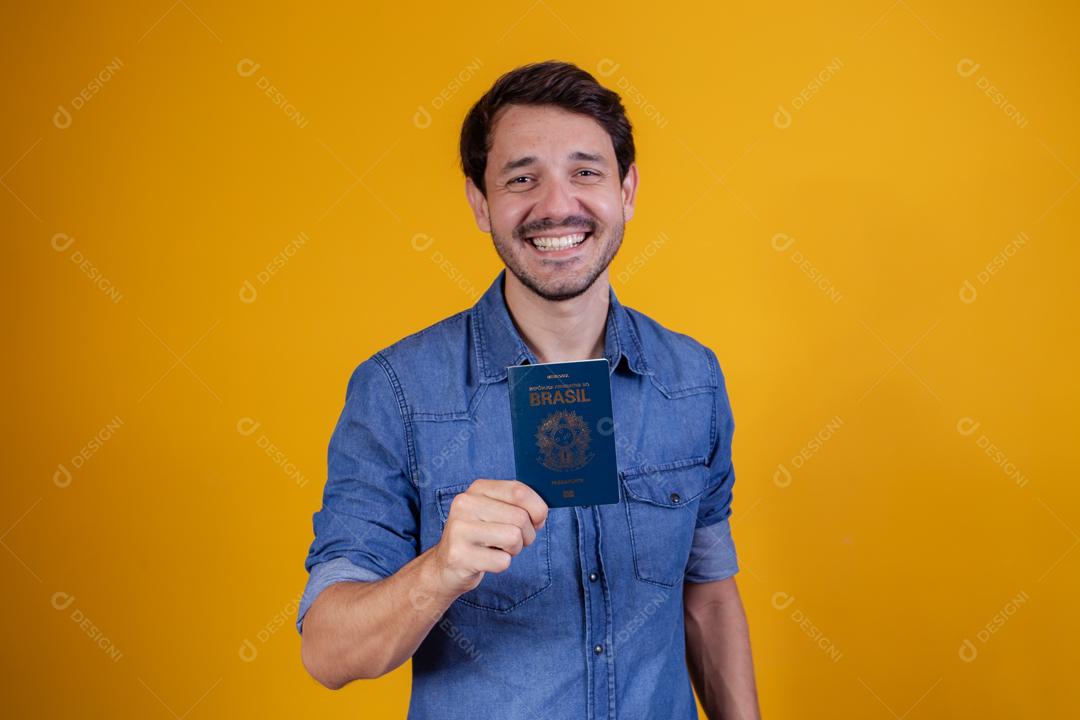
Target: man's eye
point(518, 180)
point(591, 172)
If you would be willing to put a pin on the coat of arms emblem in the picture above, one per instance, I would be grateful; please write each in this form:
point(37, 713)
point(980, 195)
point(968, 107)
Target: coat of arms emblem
point(563, 439)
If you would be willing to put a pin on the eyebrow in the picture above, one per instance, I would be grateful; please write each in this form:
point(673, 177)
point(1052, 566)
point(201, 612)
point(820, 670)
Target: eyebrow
point(531, 159)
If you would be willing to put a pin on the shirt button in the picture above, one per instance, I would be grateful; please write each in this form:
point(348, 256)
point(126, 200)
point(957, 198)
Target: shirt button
point(599, 649)
point(675, 498)
point(592, 577)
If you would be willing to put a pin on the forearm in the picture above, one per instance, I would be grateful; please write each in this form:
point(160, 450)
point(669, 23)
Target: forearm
point(357, 630)
point(718, 654)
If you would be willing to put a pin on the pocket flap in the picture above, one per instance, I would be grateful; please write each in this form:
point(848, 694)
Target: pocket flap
point(670, 484)
point(445, 495)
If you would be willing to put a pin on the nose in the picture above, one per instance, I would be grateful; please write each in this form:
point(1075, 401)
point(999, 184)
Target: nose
point(557, 201)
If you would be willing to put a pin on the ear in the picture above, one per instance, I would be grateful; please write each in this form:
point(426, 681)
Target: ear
point(479, 205)
point(629, 191)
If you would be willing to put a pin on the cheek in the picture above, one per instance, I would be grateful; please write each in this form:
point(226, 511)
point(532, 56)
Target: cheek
point(606, 209)
point(507, 217)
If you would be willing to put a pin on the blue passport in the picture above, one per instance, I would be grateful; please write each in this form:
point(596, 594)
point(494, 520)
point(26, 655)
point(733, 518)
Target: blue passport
point(564, 431)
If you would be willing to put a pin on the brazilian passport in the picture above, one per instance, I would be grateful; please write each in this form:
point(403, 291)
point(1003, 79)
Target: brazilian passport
point(564, 431)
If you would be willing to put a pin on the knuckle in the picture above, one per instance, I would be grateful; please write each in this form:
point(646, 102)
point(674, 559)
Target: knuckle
point(506, 536)
point(514, 541)
point(519, 493)
point(462, 502)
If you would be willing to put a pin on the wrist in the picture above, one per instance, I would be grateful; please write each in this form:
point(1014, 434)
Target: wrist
point(432, 591)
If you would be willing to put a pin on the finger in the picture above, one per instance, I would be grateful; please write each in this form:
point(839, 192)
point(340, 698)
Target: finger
point(494, 535)
point(493, 561)
point(496, 511)
point(474, 506)
point(472, 555)
point(514, 492)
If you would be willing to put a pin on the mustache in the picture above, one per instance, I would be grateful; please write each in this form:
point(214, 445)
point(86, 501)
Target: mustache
point(581, 223)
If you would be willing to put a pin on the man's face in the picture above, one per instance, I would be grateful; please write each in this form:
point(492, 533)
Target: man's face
point(555, 207)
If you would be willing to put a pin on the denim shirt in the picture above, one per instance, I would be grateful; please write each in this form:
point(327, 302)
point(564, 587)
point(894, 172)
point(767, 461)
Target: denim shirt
point(587, 622)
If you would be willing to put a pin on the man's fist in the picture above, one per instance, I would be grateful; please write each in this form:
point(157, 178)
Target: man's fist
point(488, 524)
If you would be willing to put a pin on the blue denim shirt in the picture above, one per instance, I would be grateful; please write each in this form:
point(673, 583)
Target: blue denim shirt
point(587, 622)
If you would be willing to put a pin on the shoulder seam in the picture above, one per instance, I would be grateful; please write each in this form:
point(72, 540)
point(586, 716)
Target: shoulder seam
point(714, 365)
point(399, 395)
point(424, 330)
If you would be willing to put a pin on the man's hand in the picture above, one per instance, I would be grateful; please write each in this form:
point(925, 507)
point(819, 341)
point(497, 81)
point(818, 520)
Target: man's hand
point(488, 524)
point(366, 629)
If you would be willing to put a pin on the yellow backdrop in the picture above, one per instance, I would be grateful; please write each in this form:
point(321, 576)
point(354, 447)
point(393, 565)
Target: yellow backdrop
point(213, 213)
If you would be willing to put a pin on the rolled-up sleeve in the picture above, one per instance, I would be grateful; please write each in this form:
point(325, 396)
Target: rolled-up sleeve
point(712, 554)
point(367, 528)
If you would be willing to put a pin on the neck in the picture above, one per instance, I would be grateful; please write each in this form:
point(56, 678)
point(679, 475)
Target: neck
point(560, 331)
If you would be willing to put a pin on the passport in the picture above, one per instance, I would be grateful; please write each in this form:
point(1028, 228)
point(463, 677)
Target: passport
point(564, 431)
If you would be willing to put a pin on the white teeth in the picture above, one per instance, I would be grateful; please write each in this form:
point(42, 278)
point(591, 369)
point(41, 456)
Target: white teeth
point(558, 243)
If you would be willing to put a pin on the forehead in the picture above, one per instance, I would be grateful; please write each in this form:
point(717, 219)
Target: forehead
point(543, 131)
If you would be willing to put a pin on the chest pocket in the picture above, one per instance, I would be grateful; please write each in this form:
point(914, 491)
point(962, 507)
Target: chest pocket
point(661, 508)
point(529, 573)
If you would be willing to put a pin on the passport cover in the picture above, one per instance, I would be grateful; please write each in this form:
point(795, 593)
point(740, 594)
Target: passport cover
point(564, 432)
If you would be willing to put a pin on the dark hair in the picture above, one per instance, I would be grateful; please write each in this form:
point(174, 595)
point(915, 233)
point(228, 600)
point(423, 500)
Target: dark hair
point(547, 83)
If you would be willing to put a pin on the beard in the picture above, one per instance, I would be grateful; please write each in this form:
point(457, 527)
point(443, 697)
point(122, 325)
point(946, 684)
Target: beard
point(577, 276)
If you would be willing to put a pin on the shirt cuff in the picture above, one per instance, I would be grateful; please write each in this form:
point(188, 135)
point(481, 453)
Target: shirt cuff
point(712, 555)
point(325, 574)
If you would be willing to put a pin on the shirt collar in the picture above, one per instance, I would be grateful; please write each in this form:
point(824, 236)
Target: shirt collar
point(498, 343)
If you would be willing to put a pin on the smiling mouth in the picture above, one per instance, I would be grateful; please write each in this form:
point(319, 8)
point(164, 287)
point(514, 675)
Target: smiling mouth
point(551, 243)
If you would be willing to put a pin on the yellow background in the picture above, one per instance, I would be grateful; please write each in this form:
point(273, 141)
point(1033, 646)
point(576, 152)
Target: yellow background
point(898, 180)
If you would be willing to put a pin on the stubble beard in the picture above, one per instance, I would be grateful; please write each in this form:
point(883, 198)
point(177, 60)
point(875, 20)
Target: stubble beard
point(560, 288)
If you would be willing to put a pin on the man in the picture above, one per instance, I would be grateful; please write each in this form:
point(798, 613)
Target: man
point(425, 548)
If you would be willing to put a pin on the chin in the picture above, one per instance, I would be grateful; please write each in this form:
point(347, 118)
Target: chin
point(561, 288)
point(553, 280)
